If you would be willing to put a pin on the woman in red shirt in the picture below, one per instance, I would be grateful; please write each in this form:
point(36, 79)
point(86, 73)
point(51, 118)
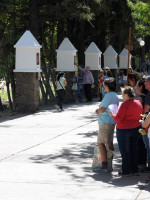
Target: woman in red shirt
point(127, 120)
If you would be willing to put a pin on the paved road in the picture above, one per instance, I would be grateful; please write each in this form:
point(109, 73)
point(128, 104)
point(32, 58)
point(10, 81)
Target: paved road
point(48, 156)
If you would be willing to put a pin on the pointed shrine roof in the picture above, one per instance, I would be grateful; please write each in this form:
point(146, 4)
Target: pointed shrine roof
point(92, 48)
point(110, 51)
point(27, 40)
point(66, 45)
point(124, 52)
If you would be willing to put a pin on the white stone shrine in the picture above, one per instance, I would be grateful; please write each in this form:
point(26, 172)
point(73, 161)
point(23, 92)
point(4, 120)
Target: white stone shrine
point(123, 59)
point(27, 71)
point(93, 57)
point(110, 58)
point(27, 54)
point(66, 57)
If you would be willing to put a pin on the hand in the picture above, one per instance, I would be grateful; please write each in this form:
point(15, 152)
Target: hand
point(92, 86)
point(96, 111)
point(110, 113)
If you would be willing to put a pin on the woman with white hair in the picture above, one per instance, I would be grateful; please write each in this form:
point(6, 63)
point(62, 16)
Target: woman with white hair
point(88, 82)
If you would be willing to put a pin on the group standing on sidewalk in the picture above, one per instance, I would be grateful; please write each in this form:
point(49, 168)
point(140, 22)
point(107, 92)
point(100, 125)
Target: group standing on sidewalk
point(132, 144)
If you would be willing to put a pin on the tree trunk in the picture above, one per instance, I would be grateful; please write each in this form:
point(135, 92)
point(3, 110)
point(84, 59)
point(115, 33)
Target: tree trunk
point(81, 47)
point(13, 90)
point(60, 32)
point(33, 17)
point(9, 97)
point(1, 106)
point(44, 97)
point(47, 85)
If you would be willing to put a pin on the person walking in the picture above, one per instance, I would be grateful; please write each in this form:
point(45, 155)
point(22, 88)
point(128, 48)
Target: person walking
point(127, 119)
point(88, 82)
point(60, 90)
point(106, 123)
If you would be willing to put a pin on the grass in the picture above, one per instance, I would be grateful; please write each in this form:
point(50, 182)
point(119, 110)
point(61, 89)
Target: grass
point(3, 95)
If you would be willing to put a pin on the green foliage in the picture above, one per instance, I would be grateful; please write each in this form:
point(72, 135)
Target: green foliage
point(82, 21)
point(141, 15)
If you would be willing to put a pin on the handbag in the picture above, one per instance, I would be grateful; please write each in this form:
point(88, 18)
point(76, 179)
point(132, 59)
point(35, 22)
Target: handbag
point(97, 161)
point(74, 86)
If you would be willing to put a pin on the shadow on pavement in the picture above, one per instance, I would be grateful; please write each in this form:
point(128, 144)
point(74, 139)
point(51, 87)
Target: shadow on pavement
point(78, 157)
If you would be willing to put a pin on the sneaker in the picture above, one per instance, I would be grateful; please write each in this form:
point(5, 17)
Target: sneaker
point(124, 174)
point(57, 107)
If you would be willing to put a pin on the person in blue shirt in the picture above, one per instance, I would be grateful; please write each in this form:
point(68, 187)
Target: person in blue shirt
point(105, 121)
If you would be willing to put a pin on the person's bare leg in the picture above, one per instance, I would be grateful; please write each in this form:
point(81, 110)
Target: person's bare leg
point(103, 152)
point(111, 146)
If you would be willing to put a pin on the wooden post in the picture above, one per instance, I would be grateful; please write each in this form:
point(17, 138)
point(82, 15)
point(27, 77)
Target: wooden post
point(129, 48)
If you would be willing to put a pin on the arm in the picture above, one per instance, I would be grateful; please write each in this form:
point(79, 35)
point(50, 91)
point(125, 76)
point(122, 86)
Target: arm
point(146, 108)
point(100, 110)
point(146, 123)
point(100, 87)
point(104, 104)
point(65, 83)
point(81, 69)
point(120, 114)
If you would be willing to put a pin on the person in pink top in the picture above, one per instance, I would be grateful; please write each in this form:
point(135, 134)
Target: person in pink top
point(127, 120)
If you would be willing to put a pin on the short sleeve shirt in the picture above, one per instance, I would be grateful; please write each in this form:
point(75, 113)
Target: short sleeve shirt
point(60, 83)
point(109, 99)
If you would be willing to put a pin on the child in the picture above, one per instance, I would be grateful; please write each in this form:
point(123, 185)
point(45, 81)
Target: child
point(79, 80)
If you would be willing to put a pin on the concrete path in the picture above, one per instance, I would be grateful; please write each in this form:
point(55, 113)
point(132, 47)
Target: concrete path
point(48, 156)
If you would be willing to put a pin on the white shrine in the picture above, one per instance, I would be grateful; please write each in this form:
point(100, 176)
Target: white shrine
point(27, 71)
point(66, 56)
point(123, 59)
point(27, 54)
point(110, 58)
point(93, 57)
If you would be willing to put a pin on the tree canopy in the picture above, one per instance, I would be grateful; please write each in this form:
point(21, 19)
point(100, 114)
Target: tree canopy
point(82, 21)
point(141, 16)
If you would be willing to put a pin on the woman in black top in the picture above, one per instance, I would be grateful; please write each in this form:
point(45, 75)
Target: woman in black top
point(142, 145)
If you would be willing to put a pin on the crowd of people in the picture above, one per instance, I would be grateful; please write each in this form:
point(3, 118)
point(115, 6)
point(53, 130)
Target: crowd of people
point(134, 146)
point(133, 135)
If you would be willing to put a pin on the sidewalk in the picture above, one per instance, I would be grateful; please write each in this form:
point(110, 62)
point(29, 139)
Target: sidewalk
point(48, 156)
